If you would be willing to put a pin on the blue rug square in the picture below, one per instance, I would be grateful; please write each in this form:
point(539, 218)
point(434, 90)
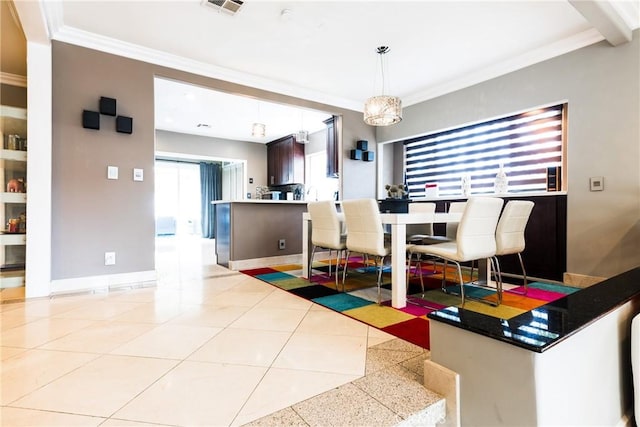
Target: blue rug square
point(341, 302)
point(272, 277)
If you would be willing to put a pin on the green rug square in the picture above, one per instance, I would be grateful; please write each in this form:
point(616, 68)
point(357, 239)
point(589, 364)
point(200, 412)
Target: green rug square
point(562, 289)
point(291, 283)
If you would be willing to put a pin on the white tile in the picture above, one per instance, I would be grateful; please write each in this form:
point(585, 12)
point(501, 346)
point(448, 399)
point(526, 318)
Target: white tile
point(331, 323)
point(17, 417)
point(168, 341)
point(270, 319)
point(99, 310)
point(42, 331)
point(32, 369)
point(324, 353)
point(153, 312)
point(219, 316)
point(195, 393)
point(99, 387)
point(14, 318)
point(100, 337)
point(7, 352)
point(242, 347)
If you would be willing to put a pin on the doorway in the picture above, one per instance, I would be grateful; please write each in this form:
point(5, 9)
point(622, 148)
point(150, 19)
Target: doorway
point(177, 198)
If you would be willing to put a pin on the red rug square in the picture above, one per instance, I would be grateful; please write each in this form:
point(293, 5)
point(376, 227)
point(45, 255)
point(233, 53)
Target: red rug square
point(415, 331)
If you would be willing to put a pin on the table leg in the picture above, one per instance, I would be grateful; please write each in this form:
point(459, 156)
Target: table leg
point(398, 260)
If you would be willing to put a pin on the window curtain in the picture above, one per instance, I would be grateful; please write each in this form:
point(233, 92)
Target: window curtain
point(210, 189)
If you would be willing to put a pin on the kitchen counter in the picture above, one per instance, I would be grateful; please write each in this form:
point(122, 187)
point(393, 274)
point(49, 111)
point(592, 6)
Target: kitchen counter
point(256, 233)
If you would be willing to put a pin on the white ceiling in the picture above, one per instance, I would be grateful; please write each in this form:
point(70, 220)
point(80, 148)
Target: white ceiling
point(325, 50)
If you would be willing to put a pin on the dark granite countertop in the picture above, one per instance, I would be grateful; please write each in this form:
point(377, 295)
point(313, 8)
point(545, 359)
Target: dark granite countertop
point(545, 326)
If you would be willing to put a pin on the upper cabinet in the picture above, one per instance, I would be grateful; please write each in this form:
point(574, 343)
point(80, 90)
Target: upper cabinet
point(285, 161)
point(332, 148)
point(13, 197)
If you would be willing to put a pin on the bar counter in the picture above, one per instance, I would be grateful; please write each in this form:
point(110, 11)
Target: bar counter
point(564, 363)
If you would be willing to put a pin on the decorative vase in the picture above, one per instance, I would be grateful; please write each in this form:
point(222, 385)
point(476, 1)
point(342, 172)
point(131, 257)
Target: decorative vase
point(466, 185)
point(501, 184)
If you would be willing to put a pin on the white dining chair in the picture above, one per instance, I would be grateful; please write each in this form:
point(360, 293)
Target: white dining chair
point(475, 240)
point(326, 233)
point(365, 234)
point(510, 233)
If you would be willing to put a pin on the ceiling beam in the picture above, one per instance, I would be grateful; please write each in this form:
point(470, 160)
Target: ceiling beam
point(606, 19)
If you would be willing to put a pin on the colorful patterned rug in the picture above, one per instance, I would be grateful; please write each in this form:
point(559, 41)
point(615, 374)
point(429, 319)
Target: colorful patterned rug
point(359, 300)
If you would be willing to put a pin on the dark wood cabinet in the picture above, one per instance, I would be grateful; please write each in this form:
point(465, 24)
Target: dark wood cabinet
point(333, 150)
point(285, 161)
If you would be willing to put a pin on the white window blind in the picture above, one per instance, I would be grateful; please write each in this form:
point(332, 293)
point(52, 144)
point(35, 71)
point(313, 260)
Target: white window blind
point(525, 144)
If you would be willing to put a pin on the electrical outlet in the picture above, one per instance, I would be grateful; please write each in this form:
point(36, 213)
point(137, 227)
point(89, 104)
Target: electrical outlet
point(281, 244)
point(109, 258)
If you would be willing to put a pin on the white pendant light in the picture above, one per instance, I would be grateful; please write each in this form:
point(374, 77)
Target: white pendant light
point(302, 136)
point(258, 130)
point(382, 110)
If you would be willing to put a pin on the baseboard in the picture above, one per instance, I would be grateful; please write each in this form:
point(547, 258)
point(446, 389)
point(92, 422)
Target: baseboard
point(247, 264)
point(104, 282)
point(581, 280)
point(627, 419)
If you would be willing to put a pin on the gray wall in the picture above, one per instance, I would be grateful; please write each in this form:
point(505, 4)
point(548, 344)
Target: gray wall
point(92, 215)
point(255, 154)
point(601, 84)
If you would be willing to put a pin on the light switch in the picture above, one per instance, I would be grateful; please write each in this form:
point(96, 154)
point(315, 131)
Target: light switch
point(138, 175)
point(112, 172)
point(596, 183)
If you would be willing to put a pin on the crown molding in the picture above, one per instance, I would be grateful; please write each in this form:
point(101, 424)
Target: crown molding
point(553, 50)
point(129, 50)
point(13, 79)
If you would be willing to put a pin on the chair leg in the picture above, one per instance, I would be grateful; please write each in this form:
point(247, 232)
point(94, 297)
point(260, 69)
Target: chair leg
point(344, 270)
point(379, 266)
point(418, 268)
point(496, 267)
point(524, 276)
point(313, 252)
point(444, 276)
point(461, 282)
point(338, 262)
point(330, 252)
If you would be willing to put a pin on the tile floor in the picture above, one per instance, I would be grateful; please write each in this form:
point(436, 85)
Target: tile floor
point(207, 347)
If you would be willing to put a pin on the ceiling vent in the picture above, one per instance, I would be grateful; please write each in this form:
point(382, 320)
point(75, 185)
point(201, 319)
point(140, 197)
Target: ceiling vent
point(228, 6)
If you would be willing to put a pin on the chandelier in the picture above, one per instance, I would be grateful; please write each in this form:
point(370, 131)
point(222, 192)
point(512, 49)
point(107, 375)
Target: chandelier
point(382, 110)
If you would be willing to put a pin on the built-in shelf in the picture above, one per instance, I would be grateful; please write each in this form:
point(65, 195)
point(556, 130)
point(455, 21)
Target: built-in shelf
point(13, 200)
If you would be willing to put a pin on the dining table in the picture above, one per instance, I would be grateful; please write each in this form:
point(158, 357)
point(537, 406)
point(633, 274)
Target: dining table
point(397, 223)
